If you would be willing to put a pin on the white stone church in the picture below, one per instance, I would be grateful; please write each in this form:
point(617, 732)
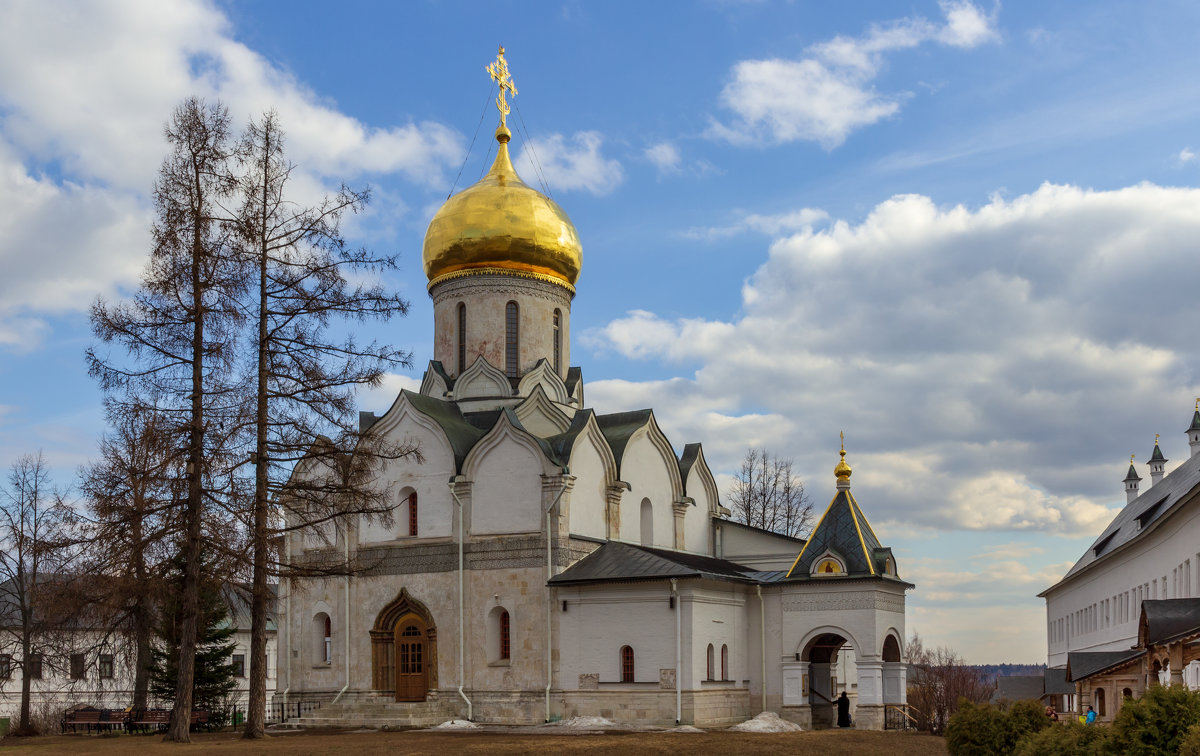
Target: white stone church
point(545, 561)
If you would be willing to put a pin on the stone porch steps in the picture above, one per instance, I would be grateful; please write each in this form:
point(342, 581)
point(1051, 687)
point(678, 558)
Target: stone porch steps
point(377, 714)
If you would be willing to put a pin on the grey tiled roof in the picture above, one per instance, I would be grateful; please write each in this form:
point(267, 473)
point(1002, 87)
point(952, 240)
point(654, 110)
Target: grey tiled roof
point(1167, 619)
point(1056, 681)
point(622, 562)
point(1141, 515)
point(1083, 664)
point(1019, 688)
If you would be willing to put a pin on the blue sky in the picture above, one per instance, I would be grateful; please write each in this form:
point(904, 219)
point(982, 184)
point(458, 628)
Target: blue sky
point(963, 234)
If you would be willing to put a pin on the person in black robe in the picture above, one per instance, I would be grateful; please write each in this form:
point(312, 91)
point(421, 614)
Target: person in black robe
point(843, 704)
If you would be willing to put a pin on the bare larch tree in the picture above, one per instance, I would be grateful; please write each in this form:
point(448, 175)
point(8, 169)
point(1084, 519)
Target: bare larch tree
point(132, 494)
point(766, 494)
point(35, 558)
point(304, 377)
point(179, 330)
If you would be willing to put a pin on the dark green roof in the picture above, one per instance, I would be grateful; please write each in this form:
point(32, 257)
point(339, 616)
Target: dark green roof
point(574, 376)
point(619, 427)
point(843, 530)
point(561, 444)
point(1195, 421)
point(1157, 455)
point(461, 434)
point(436, 366)
point(691, 454)
point(1132, 474)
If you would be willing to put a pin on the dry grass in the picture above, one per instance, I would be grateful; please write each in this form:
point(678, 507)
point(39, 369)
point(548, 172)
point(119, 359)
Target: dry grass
point(825, 742)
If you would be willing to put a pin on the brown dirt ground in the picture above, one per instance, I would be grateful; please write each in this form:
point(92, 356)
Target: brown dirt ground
point(362, 743)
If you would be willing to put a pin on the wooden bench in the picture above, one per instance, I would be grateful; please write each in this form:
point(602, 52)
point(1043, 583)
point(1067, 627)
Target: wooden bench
point(113, 719)
point(86, 717)
point(150, 720)
point(199, 718)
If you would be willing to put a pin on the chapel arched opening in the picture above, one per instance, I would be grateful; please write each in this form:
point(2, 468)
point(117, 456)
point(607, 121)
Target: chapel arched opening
point(404, 650)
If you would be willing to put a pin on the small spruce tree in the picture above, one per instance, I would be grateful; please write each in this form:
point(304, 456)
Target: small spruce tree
point(213, 679)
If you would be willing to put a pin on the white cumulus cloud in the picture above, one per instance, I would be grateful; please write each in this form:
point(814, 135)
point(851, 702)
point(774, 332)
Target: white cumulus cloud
point(569, 164)
point(829, 94)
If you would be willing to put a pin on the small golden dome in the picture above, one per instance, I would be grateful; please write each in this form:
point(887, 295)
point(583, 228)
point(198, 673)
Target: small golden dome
point(842, 471)
point(501, 225)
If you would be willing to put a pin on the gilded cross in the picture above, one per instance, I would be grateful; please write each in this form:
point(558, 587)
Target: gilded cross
point(843, 435)
point(1156, 439)
point(499, 71)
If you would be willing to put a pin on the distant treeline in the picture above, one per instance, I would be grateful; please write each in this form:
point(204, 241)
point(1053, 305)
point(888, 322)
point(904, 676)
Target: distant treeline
point(992, 671)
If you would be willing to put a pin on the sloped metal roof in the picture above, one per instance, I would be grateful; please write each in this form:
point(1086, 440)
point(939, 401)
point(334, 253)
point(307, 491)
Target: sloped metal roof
point(1083, 664)
point(1164, 620)
point(623, 562)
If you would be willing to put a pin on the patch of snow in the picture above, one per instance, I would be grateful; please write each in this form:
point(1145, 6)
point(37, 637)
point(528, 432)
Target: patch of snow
point(768, 721)
point(584, 723)
point(456, 724)
point(685, 728)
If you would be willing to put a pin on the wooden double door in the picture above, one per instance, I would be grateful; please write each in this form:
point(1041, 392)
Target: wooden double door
point(411, 654)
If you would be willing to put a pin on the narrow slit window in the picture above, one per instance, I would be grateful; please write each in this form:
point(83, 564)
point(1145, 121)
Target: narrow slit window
point(724, 662)
point(412, 513)
point(328, 649)
point(558, 342)
point(511, 339)
point(504, 636)
point(462, 338)
point(626, 664)
point(709, 674)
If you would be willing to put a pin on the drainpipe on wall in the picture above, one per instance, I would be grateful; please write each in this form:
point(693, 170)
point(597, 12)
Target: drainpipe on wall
point(762, 643)
point(287, 612)
point(678, 650)
point(461, 600)
point(550, 600)
point(346, 629)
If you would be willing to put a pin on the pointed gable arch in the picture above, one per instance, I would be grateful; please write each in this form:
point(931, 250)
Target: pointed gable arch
point(506, 470)
point(482, 380)
point(440, 418)
point(540, 415)
point(594, 469)
point(543, 375)
point(436, 383)
point(658, 440)
point(693, 466)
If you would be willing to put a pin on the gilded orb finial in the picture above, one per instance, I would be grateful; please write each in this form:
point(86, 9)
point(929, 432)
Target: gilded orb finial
point(842, 471)
point(1131, 456)
point(1156, 439)
point(499, 72)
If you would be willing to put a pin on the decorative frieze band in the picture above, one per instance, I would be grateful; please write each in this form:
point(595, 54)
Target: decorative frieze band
point(500, 284)
point(846, 601)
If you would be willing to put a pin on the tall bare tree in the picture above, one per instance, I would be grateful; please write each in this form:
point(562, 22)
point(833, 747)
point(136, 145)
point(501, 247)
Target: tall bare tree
point(304, 377)
point(938, 682)
point(35, 554)
point(132, 493)
point(179, 330)
point(766, 494)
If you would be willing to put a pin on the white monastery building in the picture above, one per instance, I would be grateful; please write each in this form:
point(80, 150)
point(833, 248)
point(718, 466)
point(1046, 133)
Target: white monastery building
point(1127, 614)
point(547, 561)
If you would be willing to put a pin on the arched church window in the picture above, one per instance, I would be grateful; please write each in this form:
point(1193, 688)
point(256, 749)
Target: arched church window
point(558, 341)
point(1099, 696)
point(647, 513)
point(323, 630)
point(724, 662)
point(504, 637)
point(511, 339)
point(709, 674)
point(462, 337)
point(626, 664)
point(412, 513)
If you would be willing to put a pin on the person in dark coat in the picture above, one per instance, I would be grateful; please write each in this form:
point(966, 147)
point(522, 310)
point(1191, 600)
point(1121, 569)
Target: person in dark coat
point(843, 704)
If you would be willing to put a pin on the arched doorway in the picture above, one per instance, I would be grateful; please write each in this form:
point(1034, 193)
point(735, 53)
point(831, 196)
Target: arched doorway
point(404, 650)
point(826, 655)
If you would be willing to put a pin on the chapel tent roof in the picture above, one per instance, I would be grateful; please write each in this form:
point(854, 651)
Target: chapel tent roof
point(616, 562)
point(1140, 516)
point(1165, 620)
point(844, 531)
point(1084, 664)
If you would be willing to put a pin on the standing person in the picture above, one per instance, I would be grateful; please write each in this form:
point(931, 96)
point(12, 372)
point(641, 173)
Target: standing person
point(1091, 716)
point(843, 704)
point(1051, 714)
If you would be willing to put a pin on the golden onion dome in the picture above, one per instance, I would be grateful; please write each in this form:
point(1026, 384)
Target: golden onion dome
point(501, 225)
point(842, 471)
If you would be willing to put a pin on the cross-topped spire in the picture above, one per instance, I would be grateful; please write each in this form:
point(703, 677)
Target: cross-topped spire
point(499, 72)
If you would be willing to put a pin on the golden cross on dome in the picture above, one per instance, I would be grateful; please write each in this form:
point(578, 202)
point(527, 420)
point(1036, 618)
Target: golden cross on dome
point(499, 71)
point(843, 435)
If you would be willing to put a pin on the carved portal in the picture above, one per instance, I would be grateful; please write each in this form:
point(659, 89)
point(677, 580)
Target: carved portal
point(404, 650)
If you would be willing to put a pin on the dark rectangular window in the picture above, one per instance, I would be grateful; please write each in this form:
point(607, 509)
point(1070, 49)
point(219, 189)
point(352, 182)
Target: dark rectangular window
point(239, 665)
point(77, 668)
point(626, 664)
point(5, 666)
point(412, 514)
point(511, 339)
point(462, 338)
point(558, 342)
point(105, 666)
point(34, 667)
point(504, 636)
